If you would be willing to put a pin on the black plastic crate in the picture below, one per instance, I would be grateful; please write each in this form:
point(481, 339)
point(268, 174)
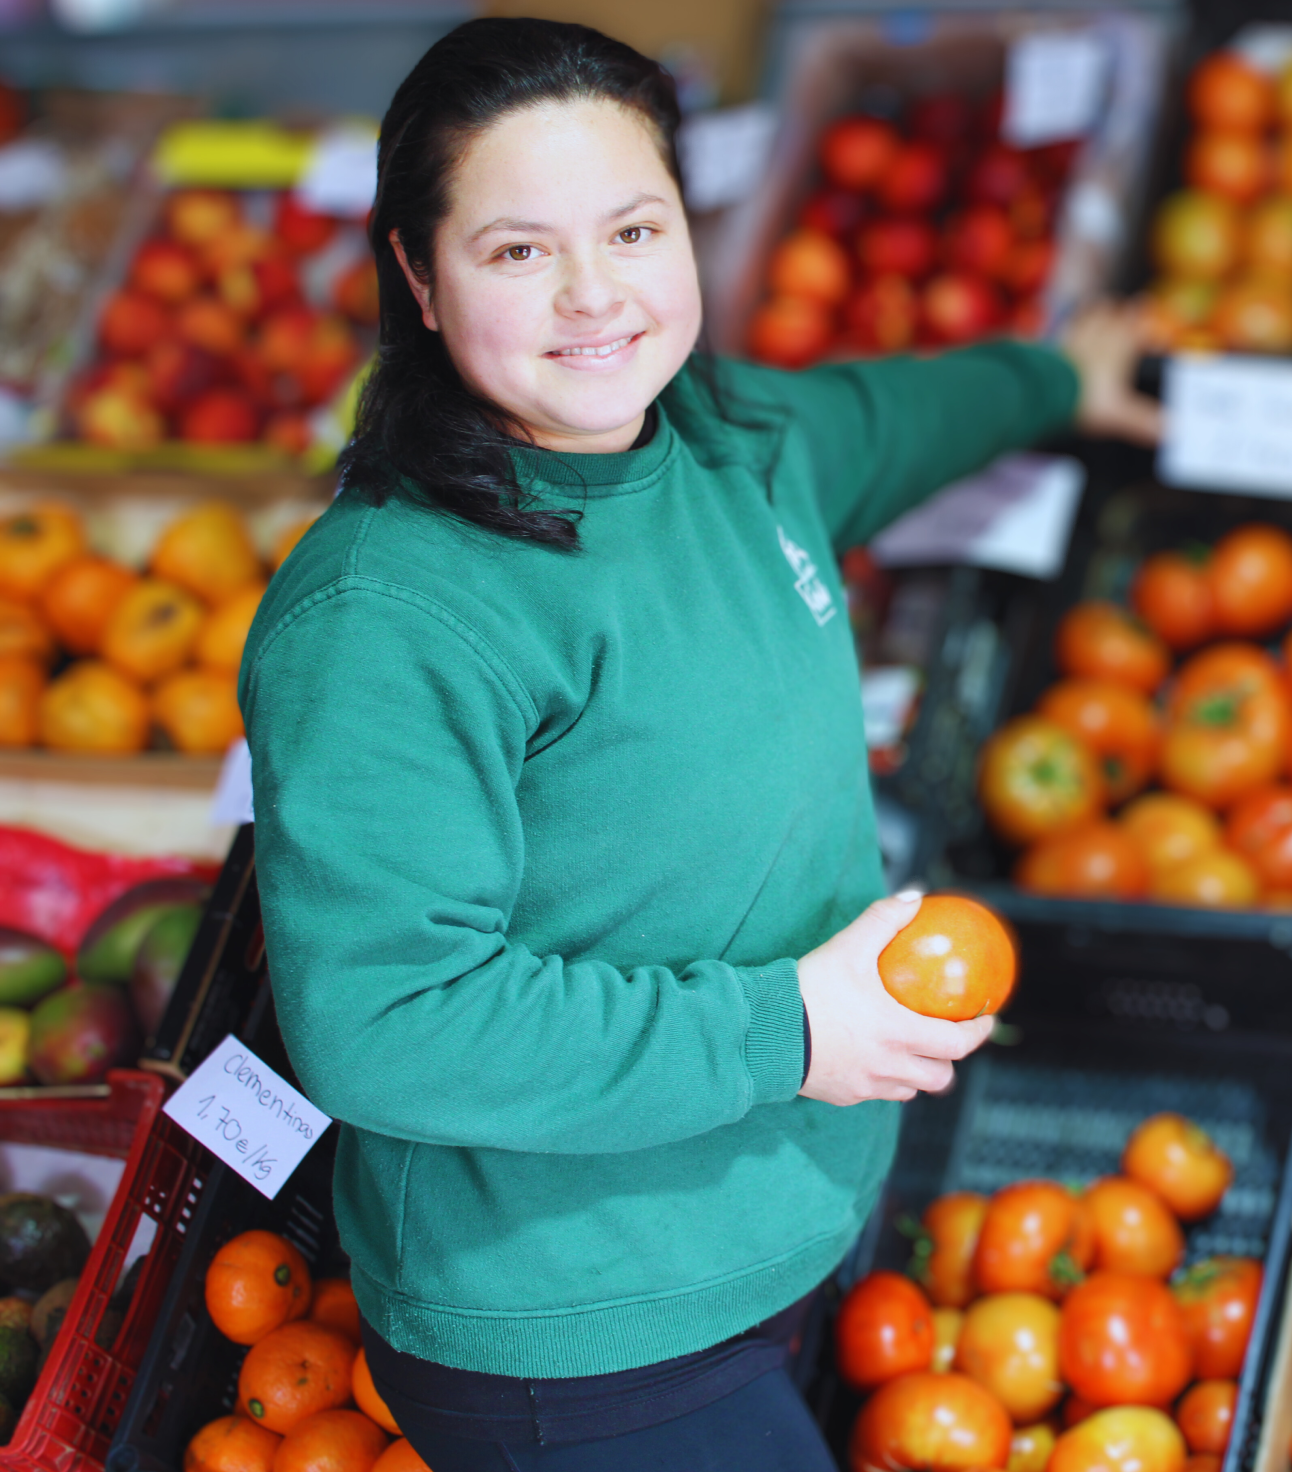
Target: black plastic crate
point(189, 1375)
point(1060, 1102)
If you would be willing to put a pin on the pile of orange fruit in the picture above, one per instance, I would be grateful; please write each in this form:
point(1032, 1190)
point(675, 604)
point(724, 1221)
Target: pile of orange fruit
point(1223, 245)
point(306, 1400)
point(97, 658)
point(1214, 730)
point(226, 331)
point(1037, 1330)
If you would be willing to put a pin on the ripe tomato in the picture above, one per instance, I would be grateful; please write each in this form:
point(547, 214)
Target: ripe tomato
point(1036, 779)
point(1010, 1343)
point(1196, 236)
point(1219, 880)
point(947, 1323)
point(1172, 594)
point(1118, 724)
point(1134, 1232)
point(1206, 1415)
point(1226, 92)
point(856, 151)
point(884, 1328)
point(1218, 1298)
point(1099, 641)
point(1030, 1449)
point(1253, 315)
point(1123, 1341)
point(954, 960)
point(1204, 1462)
point(810, 264)
point(1035, 1238)
point(1169, 829)
point(1228, 725)
point(1260, 828)
point(1251, 579)
point(790, 331)
point(1179, 1160)
point(1125, 1439)
point(944, 1254)
point(1233, 165)
point(936, 1423)
point(1096, 861)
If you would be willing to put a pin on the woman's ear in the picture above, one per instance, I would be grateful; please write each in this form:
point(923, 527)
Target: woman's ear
point(420, 289)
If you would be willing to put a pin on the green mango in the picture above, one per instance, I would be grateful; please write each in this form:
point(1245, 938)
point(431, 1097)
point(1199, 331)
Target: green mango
point(29, 969)
point(159, 962)
point(108, 951)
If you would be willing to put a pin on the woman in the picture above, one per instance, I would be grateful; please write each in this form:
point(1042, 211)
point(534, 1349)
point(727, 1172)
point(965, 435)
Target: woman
point(565, 845)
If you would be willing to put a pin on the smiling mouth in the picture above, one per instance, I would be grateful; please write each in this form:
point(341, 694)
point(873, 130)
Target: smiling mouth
point(604, 351)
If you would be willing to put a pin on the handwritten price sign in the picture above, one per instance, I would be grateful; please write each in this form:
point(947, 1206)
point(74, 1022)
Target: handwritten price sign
point(1228, 425)
point(248, 1116)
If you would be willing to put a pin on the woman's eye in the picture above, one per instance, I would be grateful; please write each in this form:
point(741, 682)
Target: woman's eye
point(631, 235)
point(519, 252)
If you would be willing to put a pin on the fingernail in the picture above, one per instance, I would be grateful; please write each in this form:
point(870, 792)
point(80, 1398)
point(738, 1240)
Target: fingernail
point(909, 894)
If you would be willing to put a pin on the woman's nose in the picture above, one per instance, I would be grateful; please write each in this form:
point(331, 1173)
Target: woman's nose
point(589, 287)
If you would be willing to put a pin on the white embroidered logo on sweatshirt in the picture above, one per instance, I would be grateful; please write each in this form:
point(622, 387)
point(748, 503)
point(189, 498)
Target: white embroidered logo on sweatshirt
point(810, 587)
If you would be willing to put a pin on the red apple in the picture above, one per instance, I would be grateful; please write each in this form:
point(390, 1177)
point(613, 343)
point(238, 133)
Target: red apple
point(284, 339)
point(944, 118)
point(332, 355)
point(979, 241)
point(907, 247)
point(119, 418)
point(958, 308)
point(195, 216)
point(1028, 267)
point(210, 324)
point(177, 372)
point(881, 315)
point(835, 212)
point(915, 180)
point(1032, 211)
point(355, 294)
point(1028, 318)
point(856, 151)
point(790, 332)
point(240, 245)
point(809, 264)
point(219, 417)
point(254, 288)
point(164, 269)
point(301, 230)
point(289, 431)
point(998, 176)
point(132, 323)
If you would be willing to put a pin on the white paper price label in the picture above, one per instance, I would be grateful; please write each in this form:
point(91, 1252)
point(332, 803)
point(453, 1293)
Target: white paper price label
point(1054, 87)
point(1228, 425)
point(724, 153)
point(248, 1116)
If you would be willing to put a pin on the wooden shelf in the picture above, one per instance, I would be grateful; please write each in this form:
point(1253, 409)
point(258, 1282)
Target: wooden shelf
point(148, 769)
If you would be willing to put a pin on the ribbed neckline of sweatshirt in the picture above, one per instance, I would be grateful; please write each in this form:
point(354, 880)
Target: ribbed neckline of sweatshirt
point(541, 834)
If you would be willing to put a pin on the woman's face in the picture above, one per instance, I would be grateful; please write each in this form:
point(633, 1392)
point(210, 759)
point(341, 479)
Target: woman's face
point(564, 282)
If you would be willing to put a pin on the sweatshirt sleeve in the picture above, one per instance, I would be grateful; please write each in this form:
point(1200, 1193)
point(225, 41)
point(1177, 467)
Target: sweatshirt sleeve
point(884, 434)
point(389, 852)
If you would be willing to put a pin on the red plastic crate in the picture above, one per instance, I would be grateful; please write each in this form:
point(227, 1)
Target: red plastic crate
point(68, 1421)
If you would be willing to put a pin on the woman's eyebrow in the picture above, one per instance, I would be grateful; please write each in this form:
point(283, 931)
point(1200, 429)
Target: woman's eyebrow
point(537, 227)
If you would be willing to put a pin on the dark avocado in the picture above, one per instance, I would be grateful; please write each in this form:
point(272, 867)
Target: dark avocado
point(18, 1355)
point(40, 1242)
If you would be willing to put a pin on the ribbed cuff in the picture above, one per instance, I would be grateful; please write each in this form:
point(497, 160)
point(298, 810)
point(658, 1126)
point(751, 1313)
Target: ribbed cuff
point(774, 1041)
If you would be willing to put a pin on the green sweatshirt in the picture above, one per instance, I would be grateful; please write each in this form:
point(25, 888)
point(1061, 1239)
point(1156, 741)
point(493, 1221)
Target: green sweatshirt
point(540, 835)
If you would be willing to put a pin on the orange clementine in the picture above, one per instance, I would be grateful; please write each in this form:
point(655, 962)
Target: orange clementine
point(334, 1305)
point(34, 544)
point(331, 1441)
point(256, 1282)
point(81, 597)
point(93, 708)
point(220, 644)
point(153, 630)
point(293, 1372)
point(367, 1398)
point(399, 1456)
point(198, 710)
point(208, 551)
point(288, 539)
point(954, 960)
point(23, 633)
point(22, 682)
point(231, 1444)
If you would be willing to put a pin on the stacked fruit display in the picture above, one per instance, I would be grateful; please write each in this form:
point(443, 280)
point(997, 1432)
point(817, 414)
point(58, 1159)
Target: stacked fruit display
point(96, 658)
point(1223, 245)
point(228, 331)
point(62, 1024)
point(1040, 1332)
point(1215, 731)
point(930, 231)
point(304, 1374)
